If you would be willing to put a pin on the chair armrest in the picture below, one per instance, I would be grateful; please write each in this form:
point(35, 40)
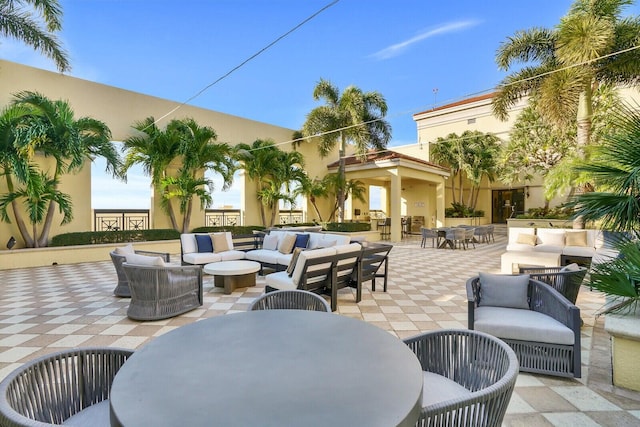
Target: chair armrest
point(546, 300)
point(539, 270)
point(165, 256)
point(473, 296)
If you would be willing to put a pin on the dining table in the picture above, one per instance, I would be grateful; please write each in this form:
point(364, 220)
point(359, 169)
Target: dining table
point(270, 368)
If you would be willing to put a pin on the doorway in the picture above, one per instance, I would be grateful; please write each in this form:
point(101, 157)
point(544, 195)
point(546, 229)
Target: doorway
point(506, 204)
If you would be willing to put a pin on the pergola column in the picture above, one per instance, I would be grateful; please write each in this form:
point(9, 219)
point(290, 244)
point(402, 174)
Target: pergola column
point(395, 208)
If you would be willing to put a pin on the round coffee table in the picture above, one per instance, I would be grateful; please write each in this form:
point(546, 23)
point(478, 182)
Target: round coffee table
point(233, 274)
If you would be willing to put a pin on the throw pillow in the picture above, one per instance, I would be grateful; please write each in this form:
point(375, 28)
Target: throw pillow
point(502, 290)
point(576, 238)
point(270, 242)
point(285, 245)
point(302, 241)
point(124, 250)
point(145, 260)
point(570, 267)
point(204, 243)
point(220, 243)
point(527, 239)
point(294, 260)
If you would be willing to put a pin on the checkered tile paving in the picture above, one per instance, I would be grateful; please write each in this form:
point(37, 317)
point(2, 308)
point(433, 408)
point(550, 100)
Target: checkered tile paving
point(46, 309)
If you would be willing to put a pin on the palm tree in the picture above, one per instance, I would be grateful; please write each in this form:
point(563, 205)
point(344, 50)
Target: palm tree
point(274, 172)
point(313, 189)
point(51, 130)
point(614, 168)
point(188, 147)
point(353, 117)
point(17, 21)
point(570, 61)
point(336, 184)
point(38, 193)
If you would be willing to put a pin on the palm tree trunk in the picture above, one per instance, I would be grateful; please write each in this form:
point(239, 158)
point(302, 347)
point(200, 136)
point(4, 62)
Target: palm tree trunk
point(460, 187)
point(341, 173)
point(315, 208)
point(186, 220)
point(43, 240)
point(22, 227)
point(585, 113)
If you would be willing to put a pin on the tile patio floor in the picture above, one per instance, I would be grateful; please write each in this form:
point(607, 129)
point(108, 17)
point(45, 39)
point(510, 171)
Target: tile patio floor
point(46, 309)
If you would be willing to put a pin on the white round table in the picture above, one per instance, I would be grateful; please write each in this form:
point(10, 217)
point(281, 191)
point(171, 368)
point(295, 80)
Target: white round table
point(270, 368)
point(233, 274)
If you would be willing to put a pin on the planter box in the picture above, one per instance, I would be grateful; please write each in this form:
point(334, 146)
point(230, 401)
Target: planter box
point(39, 257)
point(625, 348)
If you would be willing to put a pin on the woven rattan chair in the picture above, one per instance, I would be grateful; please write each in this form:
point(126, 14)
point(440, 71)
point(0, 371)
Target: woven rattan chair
point(296, 299)
point(566, 282)
point(469, 236)
point(469, 377)
point(122, 288)
point(428, 233)
point(456, 237)
point(545, 336)
point(163, 292)
point(70, 387)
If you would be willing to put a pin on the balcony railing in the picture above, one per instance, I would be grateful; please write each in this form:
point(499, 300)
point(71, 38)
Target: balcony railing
point(290, 217)
point(222, 217)
point(120, 219)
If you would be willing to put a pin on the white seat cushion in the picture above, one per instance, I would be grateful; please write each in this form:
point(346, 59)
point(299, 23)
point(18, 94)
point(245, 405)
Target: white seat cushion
point(520, 324)
point(280, 280)
point(201, 257)
point(263, 255)
point(231, 255)
point(188, 242)
point(436, 389)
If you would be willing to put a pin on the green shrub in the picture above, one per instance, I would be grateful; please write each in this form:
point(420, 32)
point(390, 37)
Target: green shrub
point(348, 227)
point(236, 230)
point(299, 224)
point(459, 210)
point(120, 236)
point(554, 213)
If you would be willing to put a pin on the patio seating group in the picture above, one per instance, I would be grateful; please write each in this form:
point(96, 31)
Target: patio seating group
point(533, 318)
point(460, 237)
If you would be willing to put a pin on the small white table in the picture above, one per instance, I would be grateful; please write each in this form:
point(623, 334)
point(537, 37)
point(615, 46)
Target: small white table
point(233, 274)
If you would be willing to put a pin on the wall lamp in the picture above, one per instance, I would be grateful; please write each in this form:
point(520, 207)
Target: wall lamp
point(11, 243)
point(526, 191)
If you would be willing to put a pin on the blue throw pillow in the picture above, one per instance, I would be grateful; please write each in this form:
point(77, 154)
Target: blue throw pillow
point(302, 240)
point(204, 243)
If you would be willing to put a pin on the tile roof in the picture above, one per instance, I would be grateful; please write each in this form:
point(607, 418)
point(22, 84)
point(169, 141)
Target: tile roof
point(458, 103)
point(384, 155)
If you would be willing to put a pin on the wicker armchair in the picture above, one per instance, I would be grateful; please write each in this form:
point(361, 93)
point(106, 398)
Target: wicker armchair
point(469, 377)
point(428, 233)
point(567, 282)
point(70, 386)
point(163, 292)
point(545, 337)
point(456, 237)
point(295, 299)
point(122, 288)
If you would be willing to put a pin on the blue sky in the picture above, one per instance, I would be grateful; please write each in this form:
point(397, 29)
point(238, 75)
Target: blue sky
point(404, 49)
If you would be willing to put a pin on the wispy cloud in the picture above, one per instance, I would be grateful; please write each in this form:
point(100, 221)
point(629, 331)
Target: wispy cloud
point(399, 48)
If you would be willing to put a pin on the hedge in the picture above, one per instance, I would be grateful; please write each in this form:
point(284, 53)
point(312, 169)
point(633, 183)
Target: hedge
point(120, 236)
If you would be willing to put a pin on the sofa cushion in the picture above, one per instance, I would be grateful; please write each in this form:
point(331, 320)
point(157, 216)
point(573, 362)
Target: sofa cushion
point(280, 280)
point(188, 243)
point(504, 290)
point(263, 256)
point(136, 259)
point(576, 238)
point(582, 251)
point(124, 250)
point(302, 240)
point(304, 256)
point(524, 325)
point(198, 258)
point(285, 244)
point(514, 232)
point(527, 239)
point(437, 388)
point(220, 242)
point(231, 255)
point(326, 242)
point(270, 242)
point(294, 259)
point(544, 247)
point(548, 236)
point(204, 243)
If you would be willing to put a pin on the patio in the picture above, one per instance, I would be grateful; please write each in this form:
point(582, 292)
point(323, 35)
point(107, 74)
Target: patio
point(50, 308)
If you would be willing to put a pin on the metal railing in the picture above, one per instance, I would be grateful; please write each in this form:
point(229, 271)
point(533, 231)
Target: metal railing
point(222, 217)
point(293, 216)
point(120, 219)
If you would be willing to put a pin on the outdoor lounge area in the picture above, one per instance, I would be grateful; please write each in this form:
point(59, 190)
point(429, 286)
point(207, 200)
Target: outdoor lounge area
point(48, 309)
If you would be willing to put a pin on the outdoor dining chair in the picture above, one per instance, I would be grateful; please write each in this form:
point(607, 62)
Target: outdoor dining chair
point(428, 233)
point(70, 387)
point(295, 299)
point(469, 377)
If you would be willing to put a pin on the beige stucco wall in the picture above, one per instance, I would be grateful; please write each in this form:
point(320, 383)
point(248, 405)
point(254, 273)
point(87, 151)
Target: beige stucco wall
point(119, 109)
